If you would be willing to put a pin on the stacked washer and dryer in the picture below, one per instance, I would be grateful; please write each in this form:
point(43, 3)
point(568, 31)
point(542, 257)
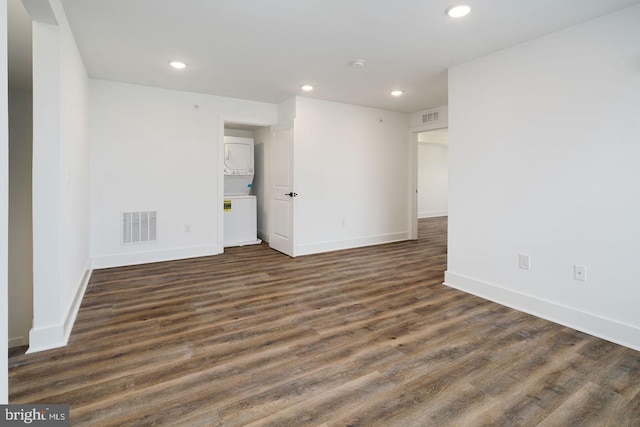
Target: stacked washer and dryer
point(240, 207)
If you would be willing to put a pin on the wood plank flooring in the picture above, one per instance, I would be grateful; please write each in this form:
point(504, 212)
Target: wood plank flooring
point(362, 337)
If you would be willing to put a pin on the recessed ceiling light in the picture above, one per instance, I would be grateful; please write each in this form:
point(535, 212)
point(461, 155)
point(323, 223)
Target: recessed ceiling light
point(306, 88)
point(177, 64)
point(458, 11)
point(357, 63)
point(397, 92)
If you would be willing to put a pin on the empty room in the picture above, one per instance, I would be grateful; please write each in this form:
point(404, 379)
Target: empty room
point(362, 213)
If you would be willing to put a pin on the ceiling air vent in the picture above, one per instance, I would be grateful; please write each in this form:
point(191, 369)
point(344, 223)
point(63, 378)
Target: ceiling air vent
point(431, 117)
point(139, 227)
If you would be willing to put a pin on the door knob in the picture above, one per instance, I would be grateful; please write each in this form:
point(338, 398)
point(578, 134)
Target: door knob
point(292, 194)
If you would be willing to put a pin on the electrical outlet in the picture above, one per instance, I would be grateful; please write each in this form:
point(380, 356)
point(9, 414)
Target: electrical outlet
point(187, 228)
point(525, 262)
point(580, 273)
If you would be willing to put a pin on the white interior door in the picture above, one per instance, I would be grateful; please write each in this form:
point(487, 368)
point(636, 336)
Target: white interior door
point(282, 195)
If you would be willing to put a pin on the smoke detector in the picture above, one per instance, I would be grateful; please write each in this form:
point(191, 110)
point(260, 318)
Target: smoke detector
point(357, 63)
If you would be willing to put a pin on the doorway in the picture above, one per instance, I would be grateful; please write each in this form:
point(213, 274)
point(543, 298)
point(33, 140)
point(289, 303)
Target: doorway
point(431, 178)
point(260, 186)
point(433, 173)
point(20, 121)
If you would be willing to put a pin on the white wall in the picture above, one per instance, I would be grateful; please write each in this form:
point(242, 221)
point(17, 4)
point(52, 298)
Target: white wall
point(433, 174)
point(60, 181)
point(425, 120)
point(544, 161)
point(4, 208)
point(350, 167)
point(156, 149)
point(241, 133)
point(20, 213)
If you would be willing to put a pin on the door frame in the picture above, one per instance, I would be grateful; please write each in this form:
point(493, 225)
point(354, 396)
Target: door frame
point(222, 120)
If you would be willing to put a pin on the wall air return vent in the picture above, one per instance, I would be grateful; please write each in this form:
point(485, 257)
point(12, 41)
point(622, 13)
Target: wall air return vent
point(139, 227)
point(431, 117)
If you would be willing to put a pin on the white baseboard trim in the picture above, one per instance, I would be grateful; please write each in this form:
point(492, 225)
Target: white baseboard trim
point(336, 245)
point(607, 329)
point(432, 214)
point(46, 338)
point(133, 258)
point(54, 336)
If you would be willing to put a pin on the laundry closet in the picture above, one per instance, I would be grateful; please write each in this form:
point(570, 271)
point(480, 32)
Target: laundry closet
point(240, 198)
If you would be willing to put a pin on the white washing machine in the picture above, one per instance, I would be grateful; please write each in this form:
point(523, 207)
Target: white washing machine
point(240, 208)
point(240, 222)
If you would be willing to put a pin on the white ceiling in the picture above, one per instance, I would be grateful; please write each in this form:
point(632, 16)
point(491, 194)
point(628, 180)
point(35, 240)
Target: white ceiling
point(264, 50)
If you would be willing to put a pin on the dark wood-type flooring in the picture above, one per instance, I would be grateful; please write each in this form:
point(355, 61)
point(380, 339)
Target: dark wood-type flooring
point(362, 337)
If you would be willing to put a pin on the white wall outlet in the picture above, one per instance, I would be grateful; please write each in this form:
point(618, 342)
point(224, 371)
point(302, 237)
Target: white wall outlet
point(580, 273)
point(187, 228)
point(525, 262)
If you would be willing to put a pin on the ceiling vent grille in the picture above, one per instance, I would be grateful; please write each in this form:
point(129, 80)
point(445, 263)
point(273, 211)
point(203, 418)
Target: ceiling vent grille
point(139, 227)
point(431, 117)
